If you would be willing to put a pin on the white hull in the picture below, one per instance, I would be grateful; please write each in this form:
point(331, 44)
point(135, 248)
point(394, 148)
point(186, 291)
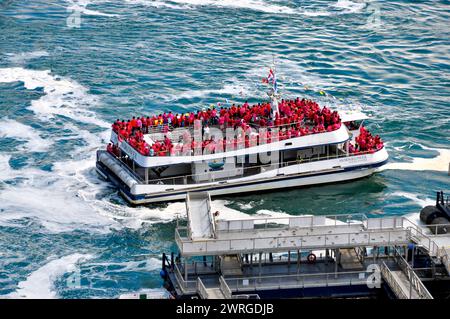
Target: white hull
point(304, 174)
point(272, 185)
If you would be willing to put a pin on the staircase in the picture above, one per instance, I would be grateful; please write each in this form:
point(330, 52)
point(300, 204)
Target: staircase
point(231, 265)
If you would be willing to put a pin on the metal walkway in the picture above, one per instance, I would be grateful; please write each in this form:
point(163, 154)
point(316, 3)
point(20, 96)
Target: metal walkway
point(200, 217)
point(404, 282)
point(232, 237)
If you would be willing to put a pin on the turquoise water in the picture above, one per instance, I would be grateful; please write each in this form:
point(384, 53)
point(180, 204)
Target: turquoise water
point(63, 80)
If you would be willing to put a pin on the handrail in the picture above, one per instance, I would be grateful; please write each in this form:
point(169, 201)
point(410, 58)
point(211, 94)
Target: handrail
point(445, 258)
point(393, 284)
point(419, 237)
point(335, 219)
point(225, 288)
point(414, 280)
point(284, 222)
point(201, 289)
point(184, 284)
point(202, 246)
point(297, 280)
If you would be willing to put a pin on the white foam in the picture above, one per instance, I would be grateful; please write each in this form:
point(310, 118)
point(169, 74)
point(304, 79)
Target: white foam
point(6, 172)
point(23, 57)
point(39, 284)
point(350, 6)
point(81, 6)
point(146, 265)
point(255, 5)
point(439, 163)
point(63, 96)
point(19, 131)
point(55, 205)
point(415, 199)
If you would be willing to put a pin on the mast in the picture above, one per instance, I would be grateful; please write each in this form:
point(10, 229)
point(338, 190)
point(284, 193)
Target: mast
point(273, 93)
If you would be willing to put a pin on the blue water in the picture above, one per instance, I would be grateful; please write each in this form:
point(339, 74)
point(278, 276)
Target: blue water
point(63, 82)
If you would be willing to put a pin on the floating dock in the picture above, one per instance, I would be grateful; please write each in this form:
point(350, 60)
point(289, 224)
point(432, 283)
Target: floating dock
point(304, 256)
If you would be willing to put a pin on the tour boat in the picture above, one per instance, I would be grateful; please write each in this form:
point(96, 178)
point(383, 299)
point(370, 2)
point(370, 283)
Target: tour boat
point(273, 145)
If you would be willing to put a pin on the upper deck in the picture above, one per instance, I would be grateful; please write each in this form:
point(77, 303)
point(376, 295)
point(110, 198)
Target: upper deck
point(325, 138)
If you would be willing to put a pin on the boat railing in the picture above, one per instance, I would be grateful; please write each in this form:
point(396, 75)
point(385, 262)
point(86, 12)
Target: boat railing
point(191, 178)
point(299, 280)
point(165, 128)
point(127, 168)
point(157, 133)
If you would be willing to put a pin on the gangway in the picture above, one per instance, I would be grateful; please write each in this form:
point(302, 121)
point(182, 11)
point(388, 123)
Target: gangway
point(220, 291)
point(201, 220)
point(404, 282)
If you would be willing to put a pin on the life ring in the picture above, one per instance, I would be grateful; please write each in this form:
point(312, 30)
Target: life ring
point(311, 258)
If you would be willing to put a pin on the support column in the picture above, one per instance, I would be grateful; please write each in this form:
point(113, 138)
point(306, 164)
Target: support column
point(336, 257)
point(186, 269)
point(260, 264)
point(146, 175)
point(289, 258)
point(373, 253)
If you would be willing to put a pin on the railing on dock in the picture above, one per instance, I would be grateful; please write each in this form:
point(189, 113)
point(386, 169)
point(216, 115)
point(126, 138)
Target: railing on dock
point(392, 283)
point(270, 243)
point(266, 282)
point(225, 288)
point(414, 280)
point(201, 289)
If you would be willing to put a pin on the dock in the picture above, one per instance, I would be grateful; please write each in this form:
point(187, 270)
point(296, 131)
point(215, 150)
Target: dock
point(303, 256)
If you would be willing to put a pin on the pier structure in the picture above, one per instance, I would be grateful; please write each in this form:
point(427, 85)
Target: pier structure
point(304, 256)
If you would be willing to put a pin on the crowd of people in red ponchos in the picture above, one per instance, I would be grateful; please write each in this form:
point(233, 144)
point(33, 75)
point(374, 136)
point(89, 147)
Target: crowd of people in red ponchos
point(295, 118)
point(365, 142)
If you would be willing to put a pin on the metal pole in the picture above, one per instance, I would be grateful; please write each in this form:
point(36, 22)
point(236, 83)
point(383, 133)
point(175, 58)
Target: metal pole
point(186, 269)
point(289, 258)
point(336, 254)
point(373, 252)
point(260, 266)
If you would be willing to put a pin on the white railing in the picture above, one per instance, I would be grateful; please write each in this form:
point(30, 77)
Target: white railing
point(392, 283)
point(339, 240)
point(225, 288)
point(445, 259)
point(201, 289)
point(414, 280)
point(421, 239)
point(184, 285)
point(306, 221)
point(333, 279)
